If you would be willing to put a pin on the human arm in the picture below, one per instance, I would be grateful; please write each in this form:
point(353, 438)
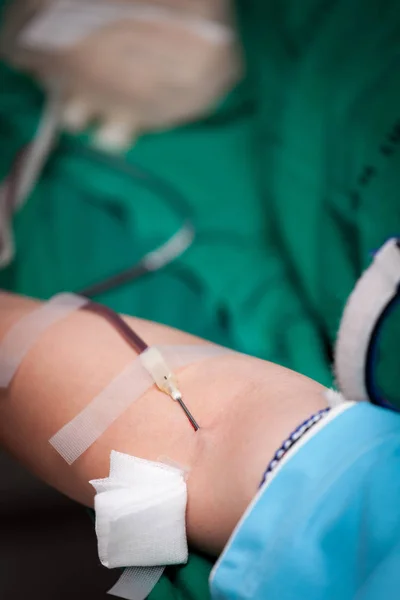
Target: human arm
point(245, 407)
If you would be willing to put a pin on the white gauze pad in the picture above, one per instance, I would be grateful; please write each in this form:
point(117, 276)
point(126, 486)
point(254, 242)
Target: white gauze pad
point(22, 336)
point(140, 521)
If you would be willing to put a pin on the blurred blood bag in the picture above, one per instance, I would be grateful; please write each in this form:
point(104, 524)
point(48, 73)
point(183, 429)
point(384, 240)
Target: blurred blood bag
point(131, 66)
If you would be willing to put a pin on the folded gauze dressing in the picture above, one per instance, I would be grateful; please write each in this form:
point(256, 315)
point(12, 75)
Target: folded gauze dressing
point(140, 519)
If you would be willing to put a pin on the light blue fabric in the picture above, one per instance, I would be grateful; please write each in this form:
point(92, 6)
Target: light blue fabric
point(328, 526)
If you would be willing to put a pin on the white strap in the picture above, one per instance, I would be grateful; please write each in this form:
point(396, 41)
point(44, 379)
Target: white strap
point(22, 336)
point(84, 429)
point(136, 583)
point(377, 286)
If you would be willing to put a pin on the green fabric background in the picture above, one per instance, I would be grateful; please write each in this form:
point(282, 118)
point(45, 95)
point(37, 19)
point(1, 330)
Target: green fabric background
point(291, 184)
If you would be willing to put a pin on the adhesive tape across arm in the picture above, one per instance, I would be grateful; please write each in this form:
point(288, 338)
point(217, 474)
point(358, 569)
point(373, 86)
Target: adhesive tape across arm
point(88, 425)
point(22, 336)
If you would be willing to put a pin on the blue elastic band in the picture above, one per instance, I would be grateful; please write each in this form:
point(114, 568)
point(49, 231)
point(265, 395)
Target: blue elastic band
point(294, 437)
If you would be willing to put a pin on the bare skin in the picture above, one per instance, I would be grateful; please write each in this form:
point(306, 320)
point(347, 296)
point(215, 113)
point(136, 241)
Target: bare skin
point(245, 408)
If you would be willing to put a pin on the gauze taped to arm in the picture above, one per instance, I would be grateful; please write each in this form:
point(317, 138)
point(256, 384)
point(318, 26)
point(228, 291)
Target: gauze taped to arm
point(140, 522)
point(141, 506)
point(140, 513)
point(22, 336)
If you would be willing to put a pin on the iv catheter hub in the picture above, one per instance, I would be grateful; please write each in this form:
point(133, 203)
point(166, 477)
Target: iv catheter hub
point(165, 380)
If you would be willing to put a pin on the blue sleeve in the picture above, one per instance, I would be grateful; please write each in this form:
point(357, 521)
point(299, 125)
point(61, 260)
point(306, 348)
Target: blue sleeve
point(328, 525)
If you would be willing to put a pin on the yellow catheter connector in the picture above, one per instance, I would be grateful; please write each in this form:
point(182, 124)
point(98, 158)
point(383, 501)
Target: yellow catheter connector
point(165, 380)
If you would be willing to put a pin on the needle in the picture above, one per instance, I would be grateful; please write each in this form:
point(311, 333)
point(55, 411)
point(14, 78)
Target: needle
point(164, 377)
point(188, 413)
point(171, 388)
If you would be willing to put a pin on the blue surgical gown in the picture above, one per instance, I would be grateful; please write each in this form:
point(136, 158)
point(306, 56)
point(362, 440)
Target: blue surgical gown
point(327, 526)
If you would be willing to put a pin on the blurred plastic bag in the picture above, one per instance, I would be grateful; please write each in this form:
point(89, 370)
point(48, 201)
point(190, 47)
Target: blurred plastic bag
point(133, 66)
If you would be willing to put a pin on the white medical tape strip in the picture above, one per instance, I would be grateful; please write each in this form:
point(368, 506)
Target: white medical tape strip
point(166, 460)
point(374, 290)
point(136, 583)
point(84, 429)
point(65, 23)
point(24, 334)
point(140, 521)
